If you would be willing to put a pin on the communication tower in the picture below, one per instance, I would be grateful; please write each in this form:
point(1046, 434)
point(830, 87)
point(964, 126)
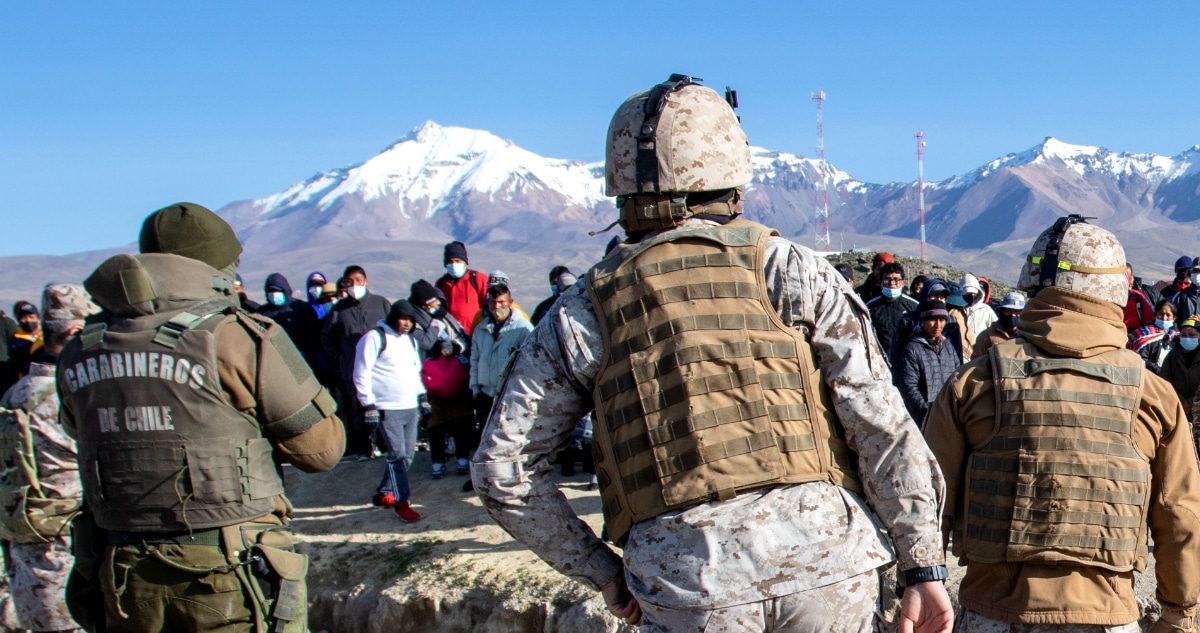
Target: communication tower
point(821, 221)
point(921, 186)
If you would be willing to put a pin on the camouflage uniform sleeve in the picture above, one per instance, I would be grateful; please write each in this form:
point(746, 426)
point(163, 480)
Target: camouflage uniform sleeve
point(263, 375)
point(902, 481)
point(545, 394)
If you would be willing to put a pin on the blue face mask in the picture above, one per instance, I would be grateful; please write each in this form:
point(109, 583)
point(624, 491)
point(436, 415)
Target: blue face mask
point(892, 293)
point(276, 298)
point(1189, 344)
point(1164, 325)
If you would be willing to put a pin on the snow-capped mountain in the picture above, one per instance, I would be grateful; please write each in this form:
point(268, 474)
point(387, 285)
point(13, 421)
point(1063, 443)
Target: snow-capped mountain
point(433, 183)
point(439, 183)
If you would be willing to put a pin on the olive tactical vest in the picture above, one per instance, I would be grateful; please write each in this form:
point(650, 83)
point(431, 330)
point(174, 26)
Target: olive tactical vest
point(160, 450)
point(26, 514)
point(1060, 481)
point(703, 392)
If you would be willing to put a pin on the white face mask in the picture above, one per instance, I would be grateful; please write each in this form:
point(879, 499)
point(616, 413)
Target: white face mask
point(314, 292)
point(358, 292)
point(456, 269)
point(1196, 279)
point(276, 298)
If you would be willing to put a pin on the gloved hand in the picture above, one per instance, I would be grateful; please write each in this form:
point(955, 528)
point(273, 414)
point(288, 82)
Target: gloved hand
point(372, 416)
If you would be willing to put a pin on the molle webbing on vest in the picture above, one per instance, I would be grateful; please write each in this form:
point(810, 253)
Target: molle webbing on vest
point(1061, 481)
point(702, 391)
point(163, 451)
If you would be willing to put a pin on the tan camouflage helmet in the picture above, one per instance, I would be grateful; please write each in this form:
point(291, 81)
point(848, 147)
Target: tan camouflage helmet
point(677, 137)
point(1077, 256)
point(67, 302)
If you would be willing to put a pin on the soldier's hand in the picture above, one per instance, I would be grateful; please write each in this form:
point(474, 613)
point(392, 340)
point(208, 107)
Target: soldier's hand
point(620, 602)
point(926, 608)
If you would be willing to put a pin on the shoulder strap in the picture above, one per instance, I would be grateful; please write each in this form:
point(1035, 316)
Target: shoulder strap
point(382, 341)
point(169, 333)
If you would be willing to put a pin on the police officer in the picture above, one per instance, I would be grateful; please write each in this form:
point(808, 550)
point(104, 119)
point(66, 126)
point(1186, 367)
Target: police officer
point(181, 404)
point(747, 438)
point(39, 473)
point(1060, 450)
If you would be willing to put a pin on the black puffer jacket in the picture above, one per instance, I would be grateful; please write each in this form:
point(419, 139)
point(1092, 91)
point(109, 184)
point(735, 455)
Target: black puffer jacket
point(925, 369)
point(1182, 370)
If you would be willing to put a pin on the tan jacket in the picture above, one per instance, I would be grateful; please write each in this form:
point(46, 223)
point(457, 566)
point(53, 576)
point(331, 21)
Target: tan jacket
point(1067, 324)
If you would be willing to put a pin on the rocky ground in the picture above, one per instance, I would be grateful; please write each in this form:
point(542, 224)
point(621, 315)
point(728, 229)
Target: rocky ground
point(452, 571)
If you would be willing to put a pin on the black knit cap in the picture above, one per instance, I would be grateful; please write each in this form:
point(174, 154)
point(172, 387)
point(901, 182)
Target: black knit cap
point(454, 250)
point(933, 309)
point(422, 293)
point(190, 230)
point(401, 310)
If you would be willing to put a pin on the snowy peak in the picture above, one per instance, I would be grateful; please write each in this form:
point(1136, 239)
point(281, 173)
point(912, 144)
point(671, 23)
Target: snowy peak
point(434, 165)
point(769, 166)
point(1086, 160)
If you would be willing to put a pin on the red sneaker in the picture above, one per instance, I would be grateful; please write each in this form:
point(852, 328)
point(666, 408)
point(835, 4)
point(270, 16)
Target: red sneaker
point(387, 500)
point(406, 513)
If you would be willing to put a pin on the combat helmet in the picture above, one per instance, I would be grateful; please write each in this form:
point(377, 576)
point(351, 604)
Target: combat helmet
point(1075, 255)
point(674, 140)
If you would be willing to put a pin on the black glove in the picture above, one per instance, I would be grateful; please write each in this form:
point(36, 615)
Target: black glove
point(426, 408)
point(372, 416)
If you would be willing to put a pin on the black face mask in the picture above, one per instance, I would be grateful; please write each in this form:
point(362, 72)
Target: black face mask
point(1010, 322)
point(29, 326)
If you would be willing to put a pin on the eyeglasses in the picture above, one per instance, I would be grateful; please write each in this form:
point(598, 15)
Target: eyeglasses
point(893, 280)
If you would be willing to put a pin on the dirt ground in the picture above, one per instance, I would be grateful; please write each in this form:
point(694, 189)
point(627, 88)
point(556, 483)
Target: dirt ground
point(453, 570)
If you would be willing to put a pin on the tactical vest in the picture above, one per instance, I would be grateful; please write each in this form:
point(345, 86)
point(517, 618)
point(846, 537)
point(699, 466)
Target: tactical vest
point(27, 515)
point(160, 450)
point(1061, 480)
point(703, 392)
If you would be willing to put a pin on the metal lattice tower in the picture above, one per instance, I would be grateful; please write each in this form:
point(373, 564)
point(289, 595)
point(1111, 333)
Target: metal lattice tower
point(821, 221)
point(921, 186)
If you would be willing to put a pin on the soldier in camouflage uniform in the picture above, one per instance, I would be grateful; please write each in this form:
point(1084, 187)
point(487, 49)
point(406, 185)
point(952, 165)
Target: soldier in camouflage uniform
point(748, 440)
point(40, 557)
point(185, 408)
point(1063, 455)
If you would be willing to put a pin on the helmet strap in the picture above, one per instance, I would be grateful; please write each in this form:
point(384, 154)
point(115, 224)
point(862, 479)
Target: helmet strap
point(647, 212)
point(646, 161)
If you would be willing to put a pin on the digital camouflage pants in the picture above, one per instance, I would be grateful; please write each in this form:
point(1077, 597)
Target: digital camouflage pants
point(849, 606)
point(38, 580)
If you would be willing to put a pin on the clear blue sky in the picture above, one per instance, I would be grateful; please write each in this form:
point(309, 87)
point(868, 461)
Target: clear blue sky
point(110, 110)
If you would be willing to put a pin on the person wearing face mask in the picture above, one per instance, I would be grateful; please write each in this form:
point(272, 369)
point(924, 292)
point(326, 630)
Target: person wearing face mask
point(910, 325)
point(293, 315)
point(443, 340)
point(497, 278)
point(977, 315)
point(314, 294)
point(348, 320)
point(560, 279)
point(891, 305)
point(465, 289)
point(1181, 368)
point(26, 343)
point(1005, 328)
point(1153, 342)
point(1187, 301)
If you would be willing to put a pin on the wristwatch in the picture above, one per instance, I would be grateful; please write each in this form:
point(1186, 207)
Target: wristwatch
point(925, 574)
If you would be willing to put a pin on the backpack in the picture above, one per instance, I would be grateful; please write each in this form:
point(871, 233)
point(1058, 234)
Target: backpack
point(26, 514)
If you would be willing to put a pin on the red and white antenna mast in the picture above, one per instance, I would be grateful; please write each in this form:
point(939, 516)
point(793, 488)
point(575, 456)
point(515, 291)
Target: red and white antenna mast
point(921, 186)
point(822, 216)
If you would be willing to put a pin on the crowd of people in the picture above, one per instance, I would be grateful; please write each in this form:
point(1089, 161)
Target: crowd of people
point(768, 441)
